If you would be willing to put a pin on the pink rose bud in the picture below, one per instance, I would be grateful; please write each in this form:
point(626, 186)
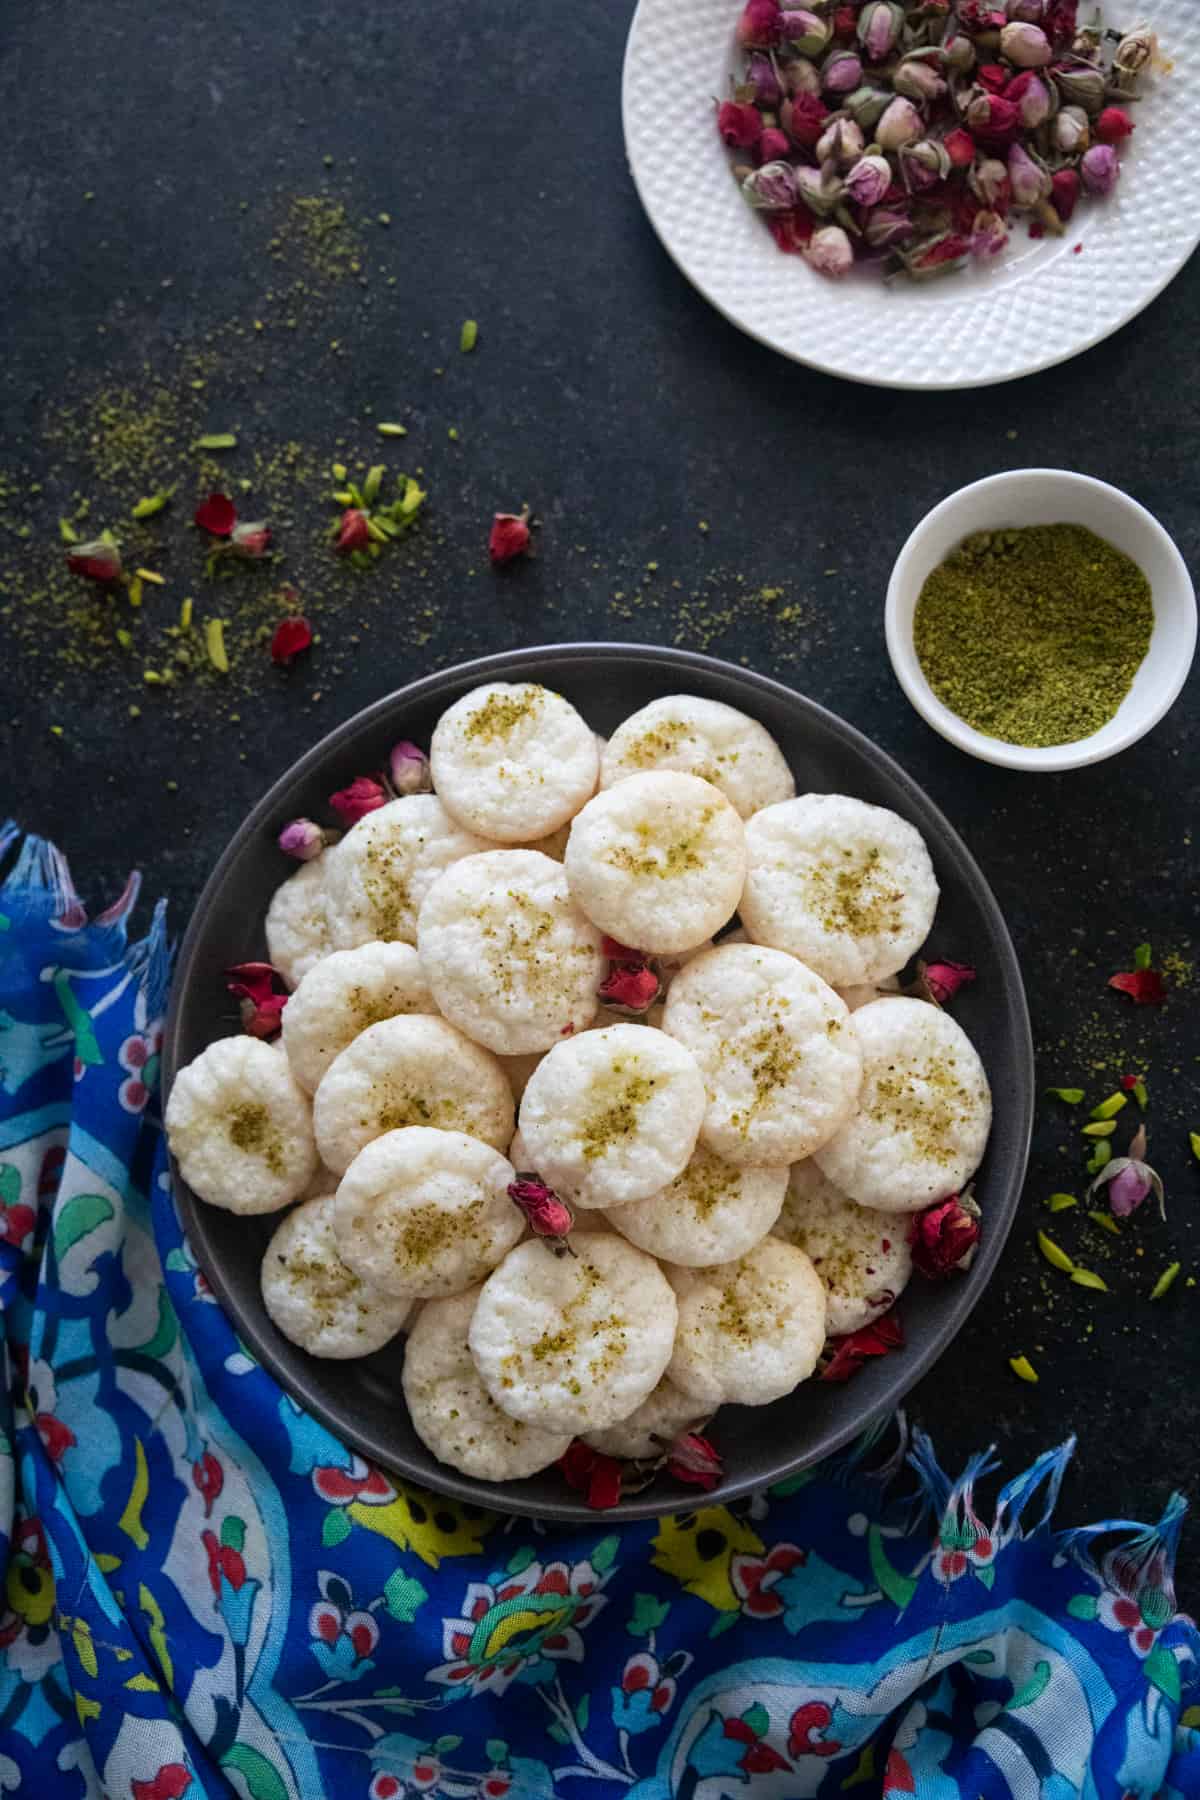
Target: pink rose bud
point(98, 561)
point(1113, 125)
point(354, 803)
point(887, 227)
point(842, 72)
point(989, 182)
point(694, 1460)
point(866, 106)
point(800, 76)
point(1135, 52)
point(408, 769)
point(771, 188)
point(758, 27)
point(353, 531)
point(546, 1215)
point(803, 117)
point(944, 979)
point(302, 839)
point(1065, 188)
point(761, 76)
point(879, 27)
point(869, 180)
point(630, 988)
point(901, 124)
point(1072, 133)
point(1130, 1179)
point(943, 1238)
point(917, 79)
point(924, 164)
point(840, 143)
point(804, 30)
point(1100, 169)
point(250, 541)
point(818, 189)
point(1026, 12)
point(830, 252)
point(993, 119)
point(774, 145)
point(1026, 45)
point(1029, 180)
point(989, 235)
point(1031, 97)
point(958, 52)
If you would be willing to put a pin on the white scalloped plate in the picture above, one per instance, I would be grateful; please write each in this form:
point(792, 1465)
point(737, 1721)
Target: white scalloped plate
point(1039, 304)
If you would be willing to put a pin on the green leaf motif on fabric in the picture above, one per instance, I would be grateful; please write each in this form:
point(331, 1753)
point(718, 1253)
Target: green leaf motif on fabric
point(557, 1732)
point(10, 1184)
point(1034, 1688)
point(166, 1332)
point(1162, 1671)
point(898, 1588)
point(444, 1745)
point(521, 1560)
point(722, 1623)
point(81, 1214)
point(782, 1489)
point(178, 1263)
point(583, 1711)
point(233, 1532)
point(496, 1750)
point(1083, 1606)
point(987, 1574)
point(79, 1019)
point(757, 1718)
point(605, 1554)
point(982, 1657)
point(403, 1596)
point(336, 1527)
point(648, 1614)
point(259, 1778)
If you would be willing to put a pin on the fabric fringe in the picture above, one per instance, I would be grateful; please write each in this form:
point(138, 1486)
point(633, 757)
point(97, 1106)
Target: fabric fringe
point(10, 831)
point(40, 882)
point(150, 960)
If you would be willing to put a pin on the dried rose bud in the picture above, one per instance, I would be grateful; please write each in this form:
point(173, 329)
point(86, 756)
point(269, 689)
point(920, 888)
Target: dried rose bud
point(758, 27)
point(800, 76)
point(958, 53)
point(546, 1215)
point(923, 165)
point(944, 1238)
point(1135, 52)
point(291, 637)
point(773, 145)
point(771, 188)
point(1100, 169)
point(408, 769)
point(791, 231)
point(354, 532)
point(302, 839)
point(254, 985)
point(803, 117)
point(1130, 1179)
point(1029, 180)
point(1113, 125)
point(916, 77)
point(1065, 187)
point(845, 23)
point(1080, 86)
point(806, 31)
point(509, 536)
point(943, 256)
point(888, 227)
point(762, 77)
point(995, 77)
point(630, 988)
point(1026, 12)
point(989, 235)
point(901, 124)
point(993, 119)
point(694, 1460)
point(879, 26)
point(869, 180)
point(830, 252)
point(842, 72)
point(988, 181)
point(1032, 98)
point(1072, 133)
point(1026, 46)
point(841, 143)
point(217, 515)
point(353, 803)
point(980, 15)
point(943, 979)
point(960, 147)
point(250, 541)
point(98, 561)
point(819, 190)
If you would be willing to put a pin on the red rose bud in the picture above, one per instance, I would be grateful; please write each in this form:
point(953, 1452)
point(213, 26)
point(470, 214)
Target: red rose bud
point(291, 637)
point(740, 127)
point(993, 119)
point(629, 988)
point(992, 76)
point(692, 1459)
point(792, 231)
point(1031, 97)
point(759, 26)
point(1129, 1082)
point(944, 979)
point(845, 23)
point(960, 148)
point(1065, 187)
point(353, 531)
point(1145, 987)
point(804, 117)
point(217, 515)
point(773, 145)
point(250, 541)
point(590, 1473)
point(509, 536)
point(850, 1353)
point(408, 769)
point(363, 796)
point(98, 561)
point(546, 1215)
point(302, 839)
point(1113, 124)
point(943, 1239)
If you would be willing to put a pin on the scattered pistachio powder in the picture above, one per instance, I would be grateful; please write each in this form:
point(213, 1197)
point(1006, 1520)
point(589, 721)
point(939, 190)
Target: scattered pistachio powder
point(1033, 635)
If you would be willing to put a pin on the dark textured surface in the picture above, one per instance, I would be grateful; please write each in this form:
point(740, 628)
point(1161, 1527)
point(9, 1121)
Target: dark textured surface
point(610, 397)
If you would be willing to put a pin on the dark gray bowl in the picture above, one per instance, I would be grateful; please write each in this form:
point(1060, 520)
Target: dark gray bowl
point(361, 1401)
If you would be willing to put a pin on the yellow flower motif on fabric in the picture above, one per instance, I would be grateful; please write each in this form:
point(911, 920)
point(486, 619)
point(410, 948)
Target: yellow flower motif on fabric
point(30, 1590)
point(697, 1550)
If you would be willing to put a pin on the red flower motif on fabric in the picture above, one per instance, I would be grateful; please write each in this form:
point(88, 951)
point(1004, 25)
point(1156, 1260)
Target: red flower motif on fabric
point(359, 1482)
point(753, 1579)
point(171, 1781)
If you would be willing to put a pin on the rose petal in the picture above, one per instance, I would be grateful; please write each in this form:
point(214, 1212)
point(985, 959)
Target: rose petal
point(1145, 987)
point(217, 515)
point(850, 1353)
point(291, 637)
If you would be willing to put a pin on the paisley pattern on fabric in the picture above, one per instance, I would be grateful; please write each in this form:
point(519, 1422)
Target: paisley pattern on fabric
point(206, 1594)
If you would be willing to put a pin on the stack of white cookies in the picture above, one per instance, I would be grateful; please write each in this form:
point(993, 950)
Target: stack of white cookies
point(735, 1159)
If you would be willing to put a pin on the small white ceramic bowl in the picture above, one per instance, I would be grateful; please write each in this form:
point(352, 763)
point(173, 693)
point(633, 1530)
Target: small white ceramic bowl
point(1050, 497)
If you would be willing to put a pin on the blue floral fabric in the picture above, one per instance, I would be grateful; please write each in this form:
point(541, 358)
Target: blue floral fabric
point(206, 1594)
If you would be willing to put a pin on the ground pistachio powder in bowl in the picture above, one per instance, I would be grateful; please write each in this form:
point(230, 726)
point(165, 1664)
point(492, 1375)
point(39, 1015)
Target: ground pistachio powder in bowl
point(1034, 635)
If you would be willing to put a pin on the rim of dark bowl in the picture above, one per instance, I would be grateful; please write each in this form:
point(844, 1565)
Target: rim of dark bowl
point(881, 1387)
